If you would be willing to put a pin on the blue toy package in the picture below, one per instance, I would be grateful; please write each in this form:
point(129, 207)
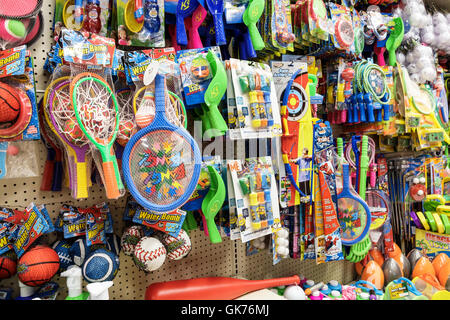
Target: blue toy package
point(95, 227)
point(74, 223)
point(195, 76)
point(167, 222)
point(5, 245)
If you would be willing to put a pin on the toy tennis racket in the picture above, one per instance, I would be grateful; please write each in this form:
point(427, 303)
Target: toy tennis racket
point(162, 162)
point(97, 113)
point(19, 9)
point(63, 119)
point(216, 8)
point(378, 203)
point(353, 212)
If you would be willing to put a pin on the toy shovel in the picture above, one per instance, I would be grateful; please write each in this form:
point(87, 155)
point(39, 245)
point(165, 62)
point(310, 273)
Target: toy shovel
point(216, 9)
point(395, 39)
point(214, 94)
point(213, 202)
point(184, 9)
point(250, 17)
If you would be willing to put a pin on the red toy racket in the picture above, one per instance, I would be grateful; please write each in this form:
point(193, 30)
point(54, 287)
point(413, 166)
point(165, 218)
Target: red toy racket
point(19, 9)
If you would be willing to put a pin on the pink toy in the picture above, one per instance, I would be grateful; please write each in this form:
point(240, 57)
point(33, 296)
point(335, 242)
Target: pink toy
point(197, 19)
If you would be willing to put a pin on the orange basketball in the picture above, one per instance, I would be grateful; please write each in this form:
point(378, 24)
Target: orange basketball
point(38, 266)
point(8, 266)
point(377, 256)
point(439, 261)
point(444, 276)
point(373, 273)
point(423, 266)
point(9, 103)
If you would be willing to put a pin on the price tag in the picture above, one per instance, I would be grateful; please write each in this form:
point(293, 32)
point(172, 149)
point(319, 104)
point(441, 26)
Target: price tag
point(398, 291)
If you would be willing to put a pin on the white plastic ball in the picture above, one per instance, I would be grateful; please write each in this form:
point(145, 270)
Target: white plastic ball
point(416, 180)
point(283, 233)
point(294, 293)
point(415, 77)
point(429, 74)
point(422, 180)
point(401, 58)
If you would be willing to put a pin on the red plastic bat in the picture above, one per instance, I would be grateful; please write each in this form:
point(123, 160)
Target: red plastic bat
point(212, 288)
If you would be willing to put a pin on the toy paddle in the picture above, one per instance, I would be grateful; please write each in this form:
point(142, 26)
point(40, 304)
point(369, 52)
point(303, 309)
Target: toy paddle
point(250, 17)
point(184, 9)
point(214, 94)
point(395, 39)
point(216, 8)
point(197, 19)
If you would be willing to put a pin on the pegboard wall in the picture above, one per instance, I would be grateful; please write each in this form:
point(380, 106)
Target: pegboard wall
point(224, 259)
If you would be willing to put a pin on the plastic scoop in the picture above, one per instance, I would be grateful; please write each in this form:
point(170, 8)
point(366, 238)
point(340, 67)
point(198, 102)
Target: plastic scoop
point(184, 9)
point(395, 39)
point(216, 9)
point(213, 202)
point(250, 17)
point(214, 94)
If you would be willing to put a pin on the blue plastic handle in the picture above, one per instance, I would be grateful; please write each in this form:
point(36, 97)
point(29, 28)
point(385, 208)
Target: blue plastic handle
point(369, 105)
point(361, 105)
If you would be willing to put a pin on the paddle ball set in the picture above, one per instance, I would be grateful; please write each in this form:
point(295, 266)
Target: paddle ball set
point(340, 109)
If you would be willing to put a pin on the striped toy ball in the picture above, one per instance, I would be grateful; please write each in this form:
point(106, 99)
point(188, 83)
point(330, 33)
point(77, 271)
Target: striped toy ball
point(62, 248)
point(130, 239)
point(125, 132)
point(101, 265)
point(177, 247)
point(38, 266)
point(9, 103)
point(79, 250)
point(8, 265)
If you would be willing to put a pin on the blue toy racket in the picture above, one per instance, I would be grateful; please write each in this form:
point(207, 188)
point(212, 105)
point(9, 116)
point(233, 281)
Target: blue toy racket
point(216, 8)
point(185, 8)
point(353, 213)
point(161, 163)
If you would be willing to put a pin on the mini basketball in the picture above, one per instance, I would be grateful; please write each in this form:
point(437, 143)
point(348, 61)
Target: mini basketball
point(62, 248)
point(12, 30)
point(8, 266)
point(79, 251)
point(9, 103)
point(101, 265)
point(38, 266)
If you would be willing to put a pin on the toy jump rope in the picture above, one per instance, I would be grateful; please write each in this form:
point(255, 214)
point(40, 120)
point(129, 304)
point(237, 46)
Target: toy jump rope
point(161, 162)
point(97, 114)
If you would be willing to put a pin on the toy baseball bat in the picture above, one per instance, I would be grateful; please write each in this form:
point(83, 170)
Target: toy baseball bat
point(212, 288)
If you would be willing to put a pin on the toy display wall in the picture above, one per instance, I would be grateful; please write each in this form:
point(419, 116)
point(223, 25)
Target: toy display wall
point(224, 259)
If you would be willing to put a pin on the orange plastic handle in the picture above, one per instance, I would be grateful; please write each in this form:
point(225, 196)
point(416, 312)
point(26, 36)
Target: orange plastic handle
point(112, 188)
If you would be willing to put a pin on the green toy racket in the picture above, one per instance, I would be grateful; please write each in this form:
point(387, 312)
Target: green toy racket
point(97, 113)
point(395, 39)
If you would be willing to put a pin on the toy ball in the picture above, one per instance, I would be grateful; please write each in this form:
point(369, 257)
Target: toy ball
point(125, 132)
point(79, 251)
point(73, 130)
point(177, 247)
point(377, 256)
point(294, 293)
point(413, 256)
point(439, 261)
point(101, 265)
point(8, 266)
point(149, 254)
point(62, 248)
point(9, 103)
point(130, 239)
point(38, 266)
point(422, 267)
point(373, 273)
point(391, 270)
point(12, 30)
point(406, 266)
point(444, 276)
point(113, 243)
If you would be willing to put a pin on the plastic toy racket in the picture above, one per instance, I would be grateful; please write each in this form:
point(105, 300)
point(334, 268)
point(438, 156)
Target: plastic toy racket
point(19, 9)
point(353, 213)
point(250, 17)
point(184, 9)
point(11, 129)
point(161, 163)
point(197, 19)
point(378, 203)
point(97, 113)
point(61, 111)
point(216, 8)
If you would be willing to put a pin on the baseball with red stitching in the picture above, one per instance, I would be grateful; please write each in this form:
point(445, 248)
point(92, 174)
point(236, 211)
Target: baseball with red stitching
point(130, 239)
point(149, 254)
point(177, 247)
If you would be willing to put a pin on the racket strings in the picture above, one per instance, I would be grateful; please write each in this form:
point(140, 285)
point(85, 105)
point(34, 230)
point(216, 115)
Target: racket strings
point(125, 104)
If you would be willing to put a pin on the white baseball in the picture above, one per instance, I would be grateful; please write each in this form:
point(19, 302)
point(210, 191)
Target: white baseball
point(149, 254)
point(130, 238)
point(177, 247)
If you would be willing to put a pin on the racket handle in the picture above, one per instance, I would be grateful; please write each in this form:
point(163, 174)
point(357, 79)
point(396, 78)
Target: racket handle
point(340, 147)
point(116, 169)
point(217, 122)
point(57, 176)
point(111, 185)
point(82, 183)
point(205, 225)
point(220, 30)
point(47, 175)
point(214, 235)
point(255, 36)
